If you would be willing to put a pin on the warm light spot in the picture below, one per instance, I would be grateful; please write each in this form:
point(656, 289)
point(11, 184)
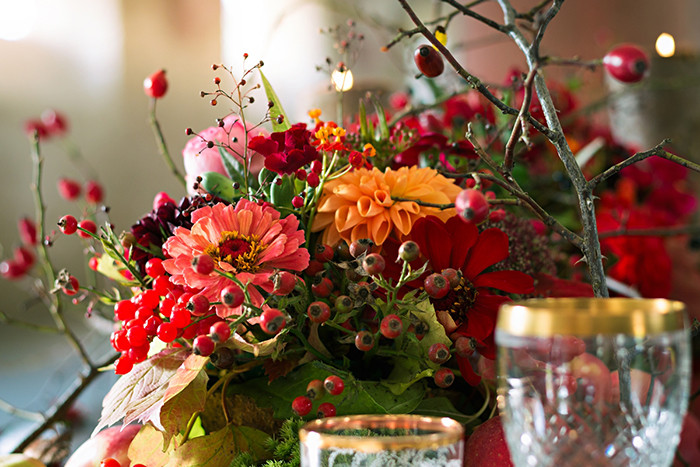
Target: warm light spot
point(665, 45)
point(342, 80)
point(17, 19)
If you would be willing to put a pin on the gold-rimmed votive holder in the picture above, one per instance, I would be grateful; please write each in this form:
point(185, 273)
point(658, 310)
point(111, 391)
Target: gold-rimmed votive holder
point(378, 440)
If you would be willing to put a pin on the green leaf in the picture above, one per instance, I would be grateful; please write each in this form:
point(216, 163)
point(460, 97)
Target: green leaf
point(218, 185)
point(234, 167)
point(276, 110)
point(282, 194)
point(220, 447)
point(358, 396)
point(265, 178)
point(364, 129)
point(138, 395)
point(381, 118)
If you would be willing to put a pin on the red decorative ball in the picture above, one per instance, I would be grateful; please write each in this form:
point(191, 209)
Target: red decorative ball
point(627, 63)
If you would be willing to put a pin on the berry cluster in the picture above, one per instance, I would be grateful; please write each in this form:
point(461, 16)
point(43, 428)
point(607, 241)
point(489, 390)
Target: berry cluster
point(316, 390)
point(23, 257)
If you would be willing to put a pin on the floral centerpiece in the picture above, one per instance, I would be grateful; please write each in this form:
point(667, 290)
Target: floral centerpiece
point(322, 268)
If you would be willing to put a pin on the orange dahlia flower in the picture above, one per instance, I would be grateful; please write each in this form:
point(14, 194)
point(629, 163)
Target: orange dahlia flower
point(246, 240)
point(372, 204)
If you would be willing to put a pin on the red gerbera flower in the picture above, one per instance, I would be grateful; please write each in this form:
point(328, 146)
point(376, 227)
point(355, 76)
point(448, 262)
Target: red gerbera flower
point(469, 309)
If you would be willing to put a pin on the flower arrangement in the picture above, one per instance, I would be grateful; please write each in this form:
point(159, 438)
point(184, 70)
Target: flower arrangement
point(326, 267)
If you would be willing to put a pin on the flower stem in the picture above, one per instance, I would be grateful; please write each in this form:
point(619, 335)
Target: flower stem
point(162, 147)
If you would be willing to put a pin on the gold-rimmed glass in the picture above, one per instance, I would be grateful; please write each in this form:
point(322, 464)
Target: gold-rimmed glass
point(593, 381)
point(379, 440)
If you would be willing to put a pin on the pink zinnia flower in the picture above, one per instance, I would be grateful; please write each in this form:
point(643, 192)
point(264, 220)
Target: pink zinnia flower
point(248, 241)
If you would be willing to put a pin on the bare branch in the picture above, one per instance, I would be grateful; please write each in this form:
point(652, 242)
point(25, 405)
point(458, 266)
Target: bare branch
point(519, 124)
point(655, 232)
point(466, 10)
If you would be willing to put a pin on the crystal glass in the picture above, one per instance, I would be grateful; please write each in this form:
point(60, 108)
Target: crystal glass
point(593, 381)
point(382, 440)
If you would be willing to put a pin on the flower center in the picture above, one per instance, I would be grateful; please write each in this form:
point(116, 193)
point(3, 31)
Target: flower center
point(458, 301)
point(240, 251)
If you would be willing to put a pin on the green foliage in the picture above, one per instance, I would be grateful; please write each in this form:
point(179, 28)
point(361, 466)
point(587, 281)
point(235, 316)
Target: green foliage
point(284, 448)
point(276, 110)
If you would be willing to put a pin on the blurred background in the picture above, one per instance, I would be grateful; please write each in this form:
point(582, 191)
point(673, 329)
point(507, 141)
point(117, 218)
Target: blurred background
point(88, 58)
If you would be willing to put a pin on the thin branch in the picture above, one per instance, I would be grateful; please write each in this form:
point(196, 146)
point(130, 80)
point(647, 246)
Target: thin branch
point(26, 414)
point(530, 15)
point(473, 81)
point(162, 147)
point(4, 318)
point(58, 411)
point(519, 126)
point(590, 64)
point(657, 150)
point(466, 10)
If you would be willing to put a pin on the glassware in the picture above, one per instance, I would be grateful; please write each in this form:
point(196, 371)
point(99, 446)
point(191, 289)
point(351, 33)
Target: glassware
point(382, 440)
point(575, 377)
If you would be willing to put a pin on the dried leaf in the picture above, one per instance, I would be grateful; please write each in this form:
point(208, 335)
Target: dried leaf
point(146, 448)
point(188, 371)
point(258, 349)
point(277, 368)
point(220, 447)
point(178, 410)
point(138, 395)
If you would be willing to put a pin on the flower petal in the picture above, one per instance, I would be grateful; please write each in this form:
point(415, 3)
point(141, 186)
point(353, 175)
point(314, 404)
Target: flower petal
point(506, 281)
point(490, 248)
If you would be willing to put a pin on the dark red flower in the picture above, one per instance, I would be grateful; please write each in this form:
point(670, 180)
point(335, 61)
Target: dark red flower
point(436, 144)
point(469, 309)
point(286, 151)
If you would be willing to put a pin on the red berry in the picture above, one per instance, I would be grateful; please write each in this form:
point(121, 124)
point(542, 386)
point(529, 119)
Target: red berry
point(24, 257)
point(137, 336)
point(232, 296)
point(300, 174)
point(203, 345)
point(162, 285)
point(10, 269)
point(124, 310)
point(72, 287)
point(312, 179)
point(68, 224)
point(54, 122)
point(627, 63)
point(149, 298)
point(143, 313)
point(438, 353)
point(324, 253)
point(497, 215)
point(363, 245)
point(472, 206)
point(391, 326)
point(429, 61)
point(283, 282)
point(151, 325)
point(373, 264)
point(154, 267)
point(203, 264)
point(315, 389)
point(27, 231)
point(436, 285)
point(93, 192)
point(180, 317)
point(123, 365)
point(86, 224)
point(68, 189)
point(139, 353)
point(326, 409)
point(322, 288)
point(364, 341)
point(156, 84)
point(302, 406)
point(272, 321)
point(318, 312)
point(409, 251)
point(160, 199)
point(167, 332)
point(119, 341)
point(298, 202)
point(198, 305)
point(314, 267)
point(94, 262)
point(220, 331)
point(453, 276)
point(316, 167)
point(444, 377)
point(464, 347)
point(334, 385)
point(35, 126)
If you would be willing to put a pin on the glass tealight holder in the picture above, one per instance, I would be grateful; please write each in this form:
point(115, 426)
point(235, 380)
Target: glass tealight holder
point(593, 381)
point(382, 440)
